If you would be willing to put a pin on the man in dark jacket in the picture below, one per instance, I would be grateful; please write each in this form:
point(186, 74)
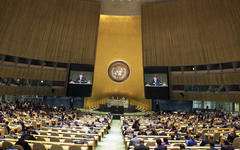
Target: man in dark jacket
point(141, 146)
point(227, 146)
point(23, 143)
point(28, 136)
point(212, 146)
point(205, 141)
point(160, 147)
point(232, 136)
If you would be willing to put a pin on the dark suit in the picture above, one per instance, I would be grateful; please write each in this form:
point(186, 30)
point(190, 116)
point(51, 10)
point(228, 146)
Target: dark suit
point(28, 137)
point(205, 142)
point(82, 80)
point(161, 148)
point(141, 147)
point(212, 149)
point(227, 147)
point(142, 133)
point(156, 82)
point(24, 144)
point(8, 129)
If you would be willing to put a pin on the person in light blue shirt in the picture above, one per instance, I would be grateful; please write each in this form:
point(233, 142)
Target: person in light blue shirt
point(134, 141)
point(191, 142)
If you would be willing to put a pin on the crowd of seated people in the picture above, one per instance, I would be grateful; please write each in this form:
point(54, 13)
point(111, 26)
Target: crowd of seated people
point(30, 105)
point(29, 123)
point(26, 104)
point(196, 129)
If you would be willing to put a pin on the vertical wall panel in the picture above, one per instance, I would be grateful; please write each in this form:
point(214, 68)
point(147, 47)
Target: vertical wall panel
point(54, 30)
point(34, 74)
point(222, 97)
point(190, 32)
point(206, 79)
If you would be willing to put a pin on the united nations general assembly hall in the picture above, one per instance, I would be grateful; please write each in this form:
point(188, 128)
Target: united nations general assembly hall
point(119, 74)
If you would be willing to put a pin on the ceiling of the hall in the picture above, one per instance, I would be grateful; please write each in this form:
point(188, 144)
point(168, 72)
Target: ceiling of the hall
point(124, 7)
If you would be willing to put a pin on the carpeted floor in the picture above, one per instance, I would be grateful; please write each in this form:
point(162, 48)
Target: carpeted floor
point(113, 140)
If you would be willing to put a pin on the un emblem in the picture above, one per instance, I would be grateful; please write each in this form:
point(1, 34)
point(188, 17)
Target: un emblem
point(118, 71)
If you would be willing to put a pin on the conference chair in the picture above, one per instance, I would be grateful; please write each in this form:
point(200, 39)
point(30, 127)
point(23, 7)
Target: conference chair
point(54, 140)
point(38, 146)
point(5, 131)
point(66, 135)
point(203, 133)
point(45, 129)
point(68, 141)
point(18, 147)
point(43, 123)
point(54, 134)
point(40, 139)
point(150, 144)
point(64, 131)
point(6, 145)
point(78, 135)
point(56, 147)
point(216, 137)
point(43, 133)
point(177, 144)
point(34, 124)
point(74, 148)
point(75, 131)
point(54, 129)
point(236, 143)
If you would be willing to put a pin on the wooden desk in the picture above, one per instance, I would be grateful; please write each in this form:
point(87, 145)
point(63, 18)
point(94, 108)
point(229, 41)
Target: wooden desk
point(75, 129)
point(91, 141)
point(49, 144)
point(98, 136)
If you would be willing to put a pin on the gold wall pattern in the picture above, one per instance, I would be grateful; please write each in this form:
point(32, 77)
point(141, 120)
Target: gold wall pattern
point(32, 91)
point(34, 74)
point(191, 32)
point(119, 38)
point(206, 79)
point(50, 30)
point(219, 97)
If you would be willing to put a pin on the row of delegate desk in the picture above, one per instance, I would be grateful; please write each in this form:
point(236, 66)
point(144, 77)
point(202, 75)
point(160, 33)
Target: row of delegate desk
point(47, 132)
point(150, 140)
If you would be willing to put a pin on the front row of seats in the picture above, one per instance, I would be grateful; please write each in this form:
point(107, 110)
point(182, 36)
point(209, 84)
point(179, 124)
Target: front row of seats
point(36, 146)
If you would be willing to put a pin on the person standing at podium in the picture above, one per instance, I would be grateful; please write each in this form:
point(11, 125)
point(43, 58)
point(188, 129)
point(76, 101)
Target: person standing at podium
point(155, 81)
point(81, 79)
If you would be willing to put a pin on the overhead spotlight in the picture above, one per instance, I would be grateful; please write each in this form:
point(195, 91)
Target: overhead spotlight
point(41, 81)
